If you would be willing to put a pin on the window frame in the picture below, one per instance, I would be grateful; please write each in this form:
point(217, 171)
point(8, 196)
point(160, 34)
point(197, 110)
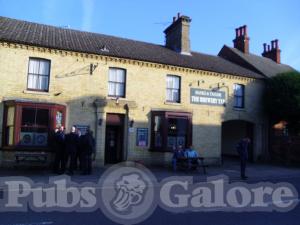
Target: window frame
point(165, 116)
point(115, 82)
point(179, 89)
point(53, 109)
point(39, 75)
point(237, 96)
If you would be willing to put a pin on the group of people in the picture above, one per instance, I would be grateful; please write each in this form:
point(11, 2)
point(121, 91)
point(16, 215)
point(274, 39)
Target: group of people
point(73, 151)
point(189, 155)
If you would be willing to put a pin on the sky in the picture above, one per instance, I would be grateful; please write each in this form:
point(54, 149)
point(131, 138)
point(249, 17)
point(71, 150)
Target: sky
point(213, 21)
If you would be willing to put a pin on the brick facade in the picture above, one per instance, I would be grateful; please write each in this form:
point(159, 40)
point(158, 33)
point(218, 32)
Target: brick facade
point(86, 98)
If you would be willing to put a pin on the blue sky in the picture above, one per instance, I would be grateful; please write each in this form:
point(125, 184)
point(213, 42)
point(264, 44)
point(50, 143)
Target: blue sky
point(213, 21)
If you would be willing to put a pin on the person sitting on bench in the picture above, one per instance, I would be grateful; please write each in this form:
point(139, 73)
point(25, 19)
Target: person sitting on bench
point(178, 153)
point(192, 157)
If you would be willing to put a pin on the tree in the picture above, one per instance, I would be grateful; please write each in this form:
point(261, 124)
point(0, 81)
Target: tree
point(282, 99)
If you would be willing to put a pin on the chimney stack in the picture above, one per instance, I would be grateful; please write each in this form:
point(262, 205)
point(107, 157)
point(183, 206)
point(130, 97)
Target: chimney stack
point(273, 51)
point(178, 35)
point(241, 41)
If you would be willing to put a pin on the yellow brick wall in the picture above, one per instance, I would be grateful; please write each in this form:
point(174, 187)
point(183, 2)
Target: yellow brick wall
point(146, 85)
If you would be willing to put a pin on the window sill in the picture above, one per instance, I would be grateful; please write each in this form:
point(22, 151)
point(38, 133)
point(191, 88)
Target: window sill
point(173, 103)
point(116, 98)
point(239, 109)
point(36, 92)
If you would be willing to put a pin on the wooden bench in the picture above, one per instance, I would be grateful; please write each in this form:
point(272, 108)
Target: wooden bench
point(40, 157)
point(182, 163)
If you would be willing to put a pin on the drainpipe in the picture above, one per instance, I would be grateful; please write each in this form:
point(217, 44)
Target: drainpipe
point(126, 132)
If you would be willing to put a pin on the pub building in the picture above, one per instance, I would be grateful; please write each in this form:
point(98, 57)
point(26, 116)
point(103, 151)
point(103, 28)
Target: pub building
point(139, 99)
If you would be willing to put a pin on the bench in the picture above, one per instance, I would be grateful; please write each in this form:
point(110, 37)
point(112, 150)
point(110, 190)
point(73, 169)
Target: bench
point(182, 163)
point(31, 157)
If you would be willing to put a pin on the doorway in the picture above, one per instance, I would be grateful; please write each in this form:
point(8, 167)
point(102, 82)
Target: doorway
point(114, 137)
point(232, 132)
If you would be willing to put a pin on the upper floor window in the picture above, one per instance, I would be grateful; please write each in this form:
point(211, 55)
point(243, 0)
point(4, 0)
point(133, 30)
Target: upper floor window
point(239, 96)
point(173, 88)
point(38, 74)
point(116, 82)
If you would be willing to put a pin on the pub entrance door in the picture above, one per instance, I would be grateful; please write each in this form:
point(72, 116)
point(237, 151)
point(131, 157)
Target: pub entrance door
point(114, 138)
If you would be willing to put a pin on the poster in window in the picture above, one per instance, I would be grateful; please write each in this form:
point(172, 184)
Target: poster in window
point(82, 128)
point(58, 118)
point(142, 137)
point(171, 141)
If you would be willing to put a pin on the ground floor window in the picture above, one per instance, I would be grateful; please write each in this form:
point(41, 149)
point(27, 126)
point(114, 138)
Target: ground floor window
point(29, 125)
point(170, 129)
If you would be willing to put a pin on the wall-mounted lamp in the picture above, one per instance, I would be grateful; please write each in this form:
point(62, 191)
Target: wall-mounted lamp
point(100, 121)
point(198, 82)
point(131, 123)
point(93, 67)
point(217, 86)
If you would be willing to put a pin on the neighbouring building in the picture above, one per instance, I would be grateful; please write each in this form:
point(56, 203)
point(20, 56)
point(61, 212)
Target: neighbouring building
point(139, 99)
point(268, 65)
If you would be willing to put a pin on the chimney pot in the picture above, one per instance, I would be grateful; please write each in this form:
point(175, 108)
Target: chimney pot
point(236, 32)
point(241, 41)
point(265, 47)
point(276, 44)
point(178, 15)
point(273, 44)
point(245, 30)
point(240, 31)
point(274, 53)
point(174, 19)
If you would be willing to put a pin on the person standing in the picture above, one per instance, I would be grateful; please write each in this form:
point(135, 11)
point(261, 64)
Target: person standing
point(88, 152)
point(72, 141)
point(59, 149)
point(178, 154)
point(242, 149)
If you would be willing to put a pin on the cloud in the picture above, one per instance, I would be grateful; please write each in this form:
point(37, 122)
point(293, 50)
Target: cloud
point(87, 18)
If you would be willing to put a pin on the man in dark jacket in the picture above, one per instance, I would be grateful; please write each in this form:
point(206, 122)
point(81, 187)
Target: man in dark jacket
point(242, 149)
point(59, 150)
point(72, 140)
point(88, 152)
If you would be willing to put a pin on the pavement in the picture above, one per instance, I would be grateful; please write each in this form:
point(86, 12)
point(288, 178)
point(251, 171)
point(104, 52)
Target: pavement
point(230, 168)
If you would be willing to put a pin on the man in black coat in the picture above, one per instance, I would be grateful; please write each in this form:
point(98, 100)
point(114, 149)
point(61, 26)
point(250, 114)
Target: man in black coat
point(88, 152)
point(59, 150)
point(242, 149)
point(72, 141)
